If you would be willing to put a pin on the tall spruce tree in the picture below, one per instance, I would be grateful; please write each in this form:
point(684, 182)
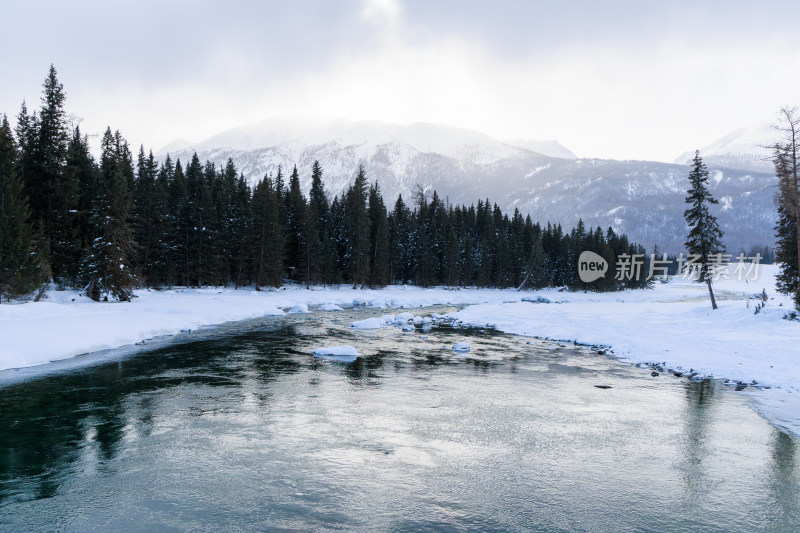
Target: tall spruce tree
point(23, 266)
point(178, 221)
point(198, 217)
point(704, 239)
point(320, 219)
point(401, 249)
point(52, 191)
point(296, 235)
point(166, 232)
point(108, 264)
point(148, 217)
point(787, 228)
point(82, 170)
point(268, 235)
point(379, 275)
point(339, 237)
point(358, 229)
point(241, 228)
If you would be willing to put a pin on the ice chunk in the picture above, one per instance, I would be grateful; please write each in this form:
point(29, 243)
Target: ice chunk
point(298, 308)
point(330, 307)
point(403, 317)
point(369, 323)
point(342, 354)
point(462, 347)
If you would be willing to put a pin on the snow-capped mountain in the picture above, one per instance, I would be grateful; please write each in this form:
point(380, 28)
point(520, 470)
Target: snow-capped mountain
point(552, 148)
point(743, 149)
point(641, 198)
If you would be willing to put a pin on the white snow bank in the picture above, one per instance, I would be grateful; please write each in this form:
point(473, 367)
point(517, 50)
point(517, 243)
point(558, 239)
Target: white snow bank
point(342, 354)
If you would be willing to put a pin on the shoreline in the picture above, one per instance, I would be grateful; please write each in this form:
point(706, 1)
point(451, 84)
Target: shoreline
point(671, 325)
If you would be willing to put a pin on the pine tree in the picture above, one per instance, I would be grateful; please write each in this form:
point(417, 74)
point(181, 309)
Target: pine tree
point(400, 242)
point(324, 262)
point(379, 275)
point(108, 264)
point(785, 159)
point(338, 228)
point(241, 229)
point(179, 247)
point(147, 219)
point(268, 235)
point(81, 169)
point(218, 234)
point(23, 266)
point(51, 191)
point(198, 220)
point(424, 244)
point(167, 238)
point(296, 235)
point(704, 240)
point(229, 218)
point(357, 229)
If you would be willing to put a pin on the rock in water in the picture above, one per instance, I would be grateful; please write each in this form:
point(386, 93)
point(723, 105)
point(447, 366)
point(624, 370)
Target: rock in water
point(462, 347)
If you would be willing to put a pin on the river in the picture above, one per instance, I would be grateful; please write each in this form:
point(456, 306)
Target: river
point(240, 428)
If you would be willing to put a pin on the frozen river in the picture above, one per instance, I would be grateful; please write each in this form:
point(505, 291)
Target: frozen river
point(241, 428)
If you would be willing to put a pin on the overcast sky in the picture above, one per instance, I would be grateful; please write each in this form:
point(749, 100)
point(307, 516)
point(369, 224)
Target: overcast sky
point(617, 79)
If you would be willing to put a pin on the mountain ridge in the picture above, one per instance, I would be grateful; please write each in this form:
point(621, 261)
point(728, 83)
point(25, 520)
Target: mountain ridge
point(745, 148)
point(644, 199)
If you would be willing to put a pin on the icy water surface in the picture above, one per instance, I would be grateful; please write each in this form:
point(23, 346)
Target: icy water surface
point(242, 429)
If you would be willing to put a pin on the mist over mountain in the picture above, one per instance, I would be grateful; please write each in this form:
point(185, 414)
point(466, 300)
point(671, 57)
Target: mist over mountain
point(743, 149)
point(643, 199)
point(551, 147)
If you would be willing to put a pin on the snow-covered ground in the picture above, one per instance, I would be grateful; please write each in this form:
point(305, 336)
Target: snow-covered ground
point(672, 325)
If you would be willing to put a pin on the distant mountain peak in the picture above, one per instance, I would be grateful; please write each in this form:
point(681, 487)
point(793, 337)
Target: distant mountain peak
point(424, 137)
point(745, 148)
point(550, 148)
point(176, 145)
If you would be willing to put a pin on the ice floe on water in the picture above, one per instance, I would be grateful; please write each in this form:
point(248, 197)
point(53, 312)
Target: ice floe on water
point(298, 309)
point(462, 347)
point(329, 307)
point(342, 354)
point(406, 321)
point(374, 322)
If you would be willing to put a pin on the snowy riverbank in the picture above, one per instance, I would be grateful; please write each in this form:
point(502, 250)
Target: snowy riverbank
point(67, 324)
point(673, 325)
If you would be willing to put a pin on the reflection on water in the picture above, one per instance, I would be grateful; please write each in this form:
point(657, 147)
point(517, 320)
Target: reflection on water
point(243, 429)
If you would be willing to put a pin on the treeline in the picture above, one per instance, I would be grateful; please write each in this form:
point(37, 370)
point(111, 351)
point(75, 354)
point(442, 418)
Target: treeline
point(108, 226)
